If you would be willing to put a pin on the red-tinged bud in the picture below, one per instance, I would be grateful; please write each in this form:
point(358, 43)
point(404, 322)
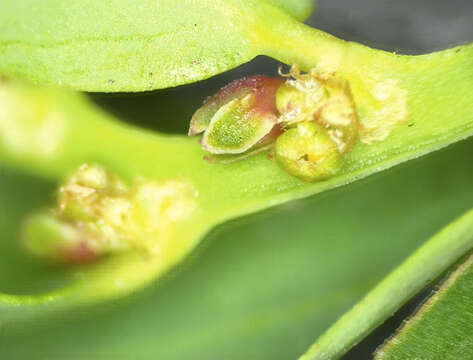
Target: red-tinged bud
point(262, 87)
point(240, 116)
point(80, 253)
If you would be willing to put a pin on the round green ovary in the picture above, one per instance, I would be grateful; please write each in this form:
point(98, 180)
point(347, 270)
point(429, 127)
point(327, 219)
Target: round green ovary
point(307, 152)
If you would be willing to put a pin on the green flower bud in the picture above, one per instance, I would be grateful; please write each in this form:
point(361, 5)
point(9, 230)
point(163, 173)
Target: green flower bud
point(239, 117)
point(308, 152)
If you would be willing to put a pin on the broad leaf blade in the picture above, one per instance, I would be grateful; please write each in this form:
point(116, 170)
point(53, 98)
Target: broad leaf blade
point(443, 327)
point(121, 46)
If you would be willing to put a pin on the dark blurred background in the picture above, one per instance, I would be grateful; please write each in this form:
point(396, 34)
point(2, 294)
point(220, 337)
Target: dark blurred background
point(404, 26)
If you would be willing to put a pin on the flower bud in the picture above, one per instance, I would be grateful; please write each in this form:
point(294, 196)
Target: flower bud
point(238, 117)
point(311, 116)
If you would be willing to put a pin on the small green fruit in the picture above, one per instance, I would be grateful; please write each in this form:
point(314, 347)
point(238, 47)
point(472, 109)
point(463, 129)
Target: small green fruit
point(308, 152)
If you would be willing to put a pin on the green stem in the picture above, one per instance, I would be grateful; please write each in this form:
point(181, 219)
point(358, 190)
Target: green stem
point(292, 42)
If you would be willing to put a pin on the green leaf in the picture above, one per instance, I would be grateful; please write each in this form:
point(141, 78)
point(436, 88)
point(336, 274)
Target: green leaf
point(428, 262)
point(119, 46)
point(385, 86)
point(443, 327)
point(97, 50)
point(84, 134)
point(257, 288)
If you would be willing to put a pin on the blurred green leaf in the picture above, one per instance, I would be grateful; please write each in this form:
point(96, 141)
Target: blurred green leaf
point(443, 327)
point(428, 262)
point(257, 288)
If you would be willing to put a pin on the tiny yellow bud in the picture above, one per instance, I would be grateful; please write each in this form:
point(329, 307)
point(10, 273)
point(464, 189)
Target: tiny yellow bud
point(98, 214)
